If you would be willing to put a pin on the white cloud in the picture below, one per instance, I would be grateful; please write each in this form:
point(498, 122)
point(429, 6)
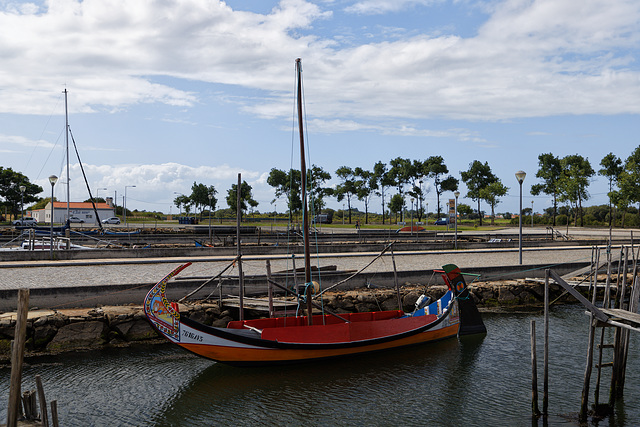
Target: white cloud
point(155, 184)
point(378, 7)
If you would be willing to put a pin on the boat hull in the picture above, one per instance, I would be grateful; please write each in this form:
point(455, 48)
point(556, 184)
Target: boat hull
point(291, 340)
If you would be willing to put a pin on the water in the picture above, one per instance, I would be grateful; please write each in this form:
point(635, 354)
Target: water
point(451, 383)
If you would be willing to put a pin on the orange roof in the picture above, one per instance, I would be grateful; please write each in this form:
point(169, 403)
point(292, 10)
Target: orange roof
point(80, 205)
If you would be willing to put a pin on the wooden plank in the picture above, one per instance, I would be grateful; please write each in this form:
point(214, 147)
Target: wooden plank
point(598, 314)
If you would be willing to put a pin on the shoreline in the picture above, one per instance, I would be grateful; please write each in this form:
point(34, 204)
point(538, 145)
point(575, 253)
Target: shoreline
point(55, 332)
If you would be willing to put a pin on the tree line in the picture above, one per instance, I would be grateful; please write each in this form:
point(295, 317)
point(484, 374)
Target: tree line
point(566, 180)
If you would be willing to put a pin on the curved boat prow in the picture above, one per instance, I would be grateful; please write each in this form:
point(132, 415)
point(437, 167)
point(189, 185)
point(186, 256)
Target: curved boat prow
point(163, 315)
point(470, 318)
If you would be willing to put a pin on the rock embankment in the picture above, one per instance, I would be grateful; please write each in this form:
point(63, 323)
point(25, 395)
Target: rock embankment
point(50, 332)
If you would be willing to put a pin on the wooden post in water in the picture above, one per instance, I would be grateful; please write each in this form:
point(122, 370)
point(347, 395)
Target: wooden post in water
point(43, 402)
point(545, 384)
point(534, 372)
point(17, 354)
point(238, 245)
point(584, 405)
point(54, 413)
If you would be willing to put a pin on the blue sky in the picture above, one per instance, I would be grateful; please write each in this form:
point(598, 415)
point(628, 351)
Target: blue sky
point(165, 93)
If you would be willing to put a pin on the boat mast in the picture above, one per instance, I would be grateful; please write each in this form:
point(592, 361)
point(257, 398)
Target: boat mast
point(303, 184)
point(66, 136)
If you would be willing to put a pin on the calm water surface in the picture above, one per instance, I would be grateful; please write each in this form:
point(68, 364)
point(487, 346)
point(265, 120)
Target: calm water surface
point(452, 383)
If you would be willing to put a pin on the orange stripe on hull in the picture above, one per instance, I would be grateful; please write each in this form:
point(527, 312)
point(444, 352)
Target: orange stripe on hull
point(258, 356)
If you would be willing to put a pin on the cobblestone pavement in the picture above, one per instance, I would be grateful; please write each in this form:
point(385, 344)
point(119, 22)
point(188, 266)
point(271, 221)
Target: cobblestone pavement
point(14, 275)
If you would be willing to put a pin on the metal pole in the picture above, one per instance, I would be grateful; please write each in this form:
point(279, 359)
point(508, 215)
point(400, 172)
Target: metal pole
point(210, 239)
point(520, 223)
point(532, 214)
point(52, 180)
point(455, 239)
point(22, 188)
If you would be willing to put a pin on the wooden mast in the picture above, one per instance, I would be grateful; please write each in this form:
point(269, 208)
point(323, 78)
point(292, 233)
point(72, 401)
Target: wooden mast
point(303, 184)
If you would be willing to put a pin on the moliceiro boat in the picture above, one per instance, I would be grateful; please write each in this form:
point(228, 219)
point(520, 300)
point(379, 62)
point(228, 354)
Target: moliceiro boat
point(282, 340)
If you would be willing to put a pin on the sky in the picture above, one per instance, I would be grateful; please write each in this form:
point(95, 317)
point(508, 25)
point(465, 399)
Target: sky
point(165, 93)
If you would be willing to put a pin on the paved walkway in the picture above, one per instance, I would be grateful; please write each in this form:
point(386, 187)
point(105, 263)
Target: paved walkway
point(47, 274)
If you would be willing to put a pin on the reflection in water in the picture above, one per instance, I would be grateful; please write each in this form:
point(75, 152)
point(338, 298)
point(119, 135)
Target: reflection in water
point(472, 381)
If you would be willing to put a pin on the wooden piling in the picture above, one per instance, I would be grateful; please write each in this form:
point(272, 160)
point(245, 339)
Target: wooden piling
point(545, 384)
point(17, 354)
point(44, 417)
point(535, 411)
point(54, 413)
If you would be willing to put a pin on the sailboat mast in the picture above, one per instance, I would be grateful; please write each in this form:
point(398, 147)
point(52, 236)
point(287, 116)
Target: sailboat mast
point(303, 183)
point(66, 136)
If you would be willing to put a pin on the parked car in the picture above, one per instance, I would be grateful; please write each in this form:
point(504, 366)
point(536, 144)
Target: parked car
point(26, 222)
point(76, 220)
point(442, 221)
point(112, 220)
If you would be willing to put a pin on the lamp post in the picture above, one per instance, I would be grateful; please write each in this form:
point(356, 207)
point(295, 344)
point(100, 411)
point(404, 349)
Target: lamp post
point(420, 201)
point(98, 191)
point(343, 214)
point(520, 177)
point(125, 203)
point(426, 215)
point(22, 189)
point(52, 179)
point(532, 214)
point(455, 238)
point(210, 196)
point(412, 216)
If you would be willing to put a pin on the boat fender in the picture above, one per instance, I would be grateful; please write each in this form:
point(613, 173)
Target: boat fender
point(422, 301)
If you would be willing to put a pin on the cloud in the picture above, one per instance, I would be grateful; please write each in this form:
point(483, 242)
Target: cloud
point(531, 58)
point(155, 184)
point(378, 7)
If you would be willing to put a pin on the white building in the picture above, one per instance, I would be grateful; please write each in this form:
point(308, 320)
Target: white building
point(82, 210)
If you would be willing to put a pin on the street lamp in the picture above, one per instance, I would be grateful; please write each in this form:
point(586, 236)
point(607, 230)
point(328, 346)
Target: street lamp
point(412, 216)
point(426, 215)
point(52, 179)
point(520, 177)
point(420, 200)
point(98, 191)
point(455, 238)
point(532, 214)
point(210, 196)
point(343, 214)
point(125, 202)
point(22, 189)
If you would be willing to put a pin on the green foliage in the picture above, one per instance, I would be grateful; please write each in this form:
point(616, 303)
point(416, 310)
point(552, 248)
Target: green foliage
point(396, 204)
point(200, 196)
point(549, 172)
point(477, 177)
point(10, 194)
point(245, 198)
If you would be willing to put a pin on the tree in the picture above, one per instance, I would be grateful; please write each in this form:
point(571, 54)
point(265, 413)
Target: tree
point(316, 177)
point(287, 184)
point(10, 194)
point(396, 204)
point(400, 174)
point(490, 194)
point(347, 188)
point(200, 196)
point(550, 171)
point(576, 175)
point(464, 209)
point(245, 197)
point(96, 200)
point(365, 187)
point(476, 178)
point(611, 169)
point(183, 200)
point(629, 179)
point(383, 180)
point(435, 168)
